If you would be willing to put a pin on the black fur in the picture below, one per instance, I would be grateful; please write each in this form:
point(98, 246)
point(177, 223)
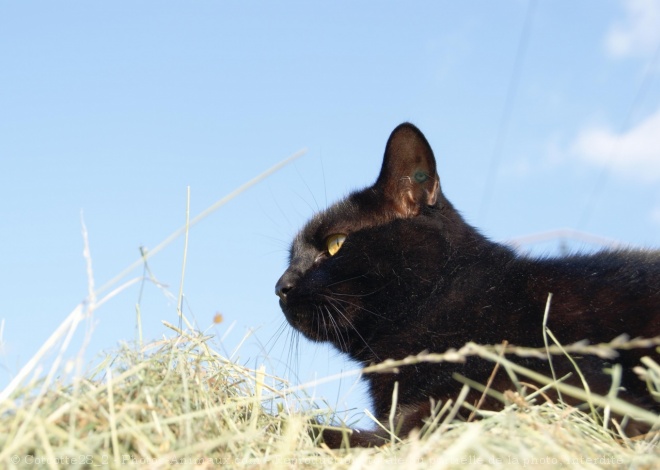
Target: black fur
point(412, 275)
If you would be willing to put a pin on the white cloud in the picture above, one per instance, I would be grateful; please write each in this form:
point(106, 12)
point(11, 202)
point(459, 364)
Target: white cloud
point(639, 32)
point(635, 153)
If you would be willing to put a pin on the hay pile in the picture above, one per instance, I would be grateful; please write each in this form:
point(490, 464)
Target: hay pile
point(177, 402)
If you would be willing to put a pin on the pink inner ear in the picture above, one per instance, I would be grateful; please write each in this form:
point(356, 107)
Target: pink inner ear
point(410, 195)
point(432, 191)
point(408, 178)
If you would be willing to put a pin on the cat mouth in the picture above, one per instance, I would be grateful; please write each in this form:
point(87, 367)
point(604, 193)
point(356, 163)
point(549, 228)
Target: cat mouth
point(309, 321)
point(317, 320)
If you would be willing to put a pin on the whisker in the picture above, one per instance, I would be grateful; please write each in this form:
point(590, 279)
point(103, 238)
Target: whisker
point(319, 330)
point(356, 331)
point(333, 322)
point(345, 280)
point(338, 331)
point(275, 338)
point(359, 307)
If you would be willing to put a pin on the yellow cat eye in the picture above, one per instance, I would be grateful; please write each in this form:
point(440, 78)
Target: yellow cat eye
point(334, 243)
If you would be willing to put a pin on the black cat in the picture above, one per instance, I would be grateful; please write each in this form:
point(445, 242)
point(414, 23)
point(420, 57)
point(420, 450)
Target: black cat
point(393, 270)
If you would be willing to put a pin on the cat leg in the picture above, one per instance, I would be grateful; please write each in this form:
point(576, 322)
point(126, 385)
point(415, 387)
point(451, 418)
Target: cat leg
point(408, 418)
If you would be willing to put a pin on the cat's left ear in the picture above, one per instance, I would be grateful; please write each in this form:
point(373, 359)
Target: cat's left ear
point(408, 177)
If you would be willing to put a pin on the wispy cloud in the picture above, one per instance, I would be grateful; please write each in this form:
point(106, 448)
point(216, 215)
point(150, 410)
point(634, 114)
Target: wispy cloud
point(635, 153)
point(638, 33)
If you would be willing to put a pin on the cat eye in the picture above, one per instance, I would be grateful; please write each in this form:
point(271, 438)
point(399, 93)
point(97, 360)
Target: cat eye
point(334, 243)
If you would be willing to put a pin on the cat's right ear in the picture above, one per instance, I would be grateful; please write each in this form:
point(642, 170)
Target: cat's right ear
point(408, 178)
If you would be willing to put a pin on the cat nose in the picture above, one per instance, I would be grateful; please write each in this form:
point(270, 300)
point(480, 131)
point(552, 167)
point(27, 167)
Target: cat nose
point(284, 286)
point(282, 289)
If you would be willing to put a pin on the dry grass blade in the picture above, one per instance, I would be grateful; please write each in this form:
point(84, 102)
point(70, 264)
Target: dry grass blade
point(201, 216)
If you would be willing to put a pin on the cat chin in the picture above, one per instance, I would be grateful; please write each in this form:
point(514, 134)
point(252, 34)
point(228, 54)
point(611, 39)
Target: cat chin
point(303, 321)
point(317, 326)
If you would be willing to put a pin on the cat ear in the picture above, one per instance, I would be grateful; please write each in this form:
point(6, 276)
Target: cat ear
point(408, 177)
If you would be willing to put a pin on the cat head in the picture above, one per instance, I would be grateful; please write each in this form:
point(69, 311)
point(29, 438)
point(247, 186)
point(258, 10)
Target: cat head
point(358, 264)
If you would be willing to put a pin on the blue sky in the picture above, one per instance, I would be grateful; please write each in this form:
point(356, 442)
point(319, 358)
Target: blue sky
point(113, 110)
